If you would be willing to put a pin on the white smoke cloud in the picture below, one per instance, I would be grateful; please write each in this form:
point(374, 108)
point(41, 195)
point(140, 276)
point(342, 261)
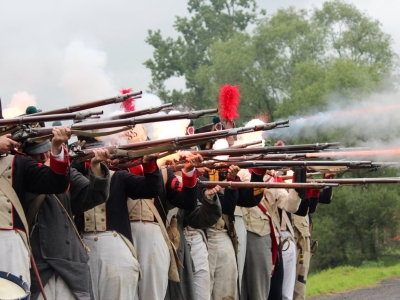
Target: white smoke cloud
point(251, 136)
point(85, 77)
point(373, 122)
point(19, 102)
point(168, 129)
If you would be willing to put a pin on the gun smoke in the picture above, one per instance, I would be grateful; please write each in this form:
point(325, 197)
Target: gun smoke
point(371, 123)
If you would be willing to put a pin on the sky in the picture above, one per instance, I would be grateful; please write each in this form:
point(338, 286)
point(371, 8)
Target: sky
point(59, 53)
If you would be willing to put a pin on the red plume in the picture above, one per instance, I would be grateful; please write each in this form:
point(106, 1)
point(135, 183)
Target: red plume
point(129, 104)
point(229, 101)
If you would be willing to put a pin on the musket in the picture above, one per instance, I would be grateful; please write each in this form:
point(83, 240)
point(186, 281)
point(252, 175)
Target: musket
point(88, 105)
point(244, 145)
point(268, 185)
point(358, 181)
point(213, 164)
point(266, 150)
point(29, 119)
point(129, 164)
point(136, 113)
point(140, 149)
point(79, 128)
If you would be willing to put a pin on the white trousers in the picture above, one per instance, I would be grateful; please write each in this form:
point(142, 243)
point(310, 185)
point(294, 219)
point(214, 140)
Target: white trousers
point(57, 289)
point(114, 270)
point(241, 256)
point(154, 259)
point(14, 255)
point(289, 266)
point(223, 270)
point(199, 253)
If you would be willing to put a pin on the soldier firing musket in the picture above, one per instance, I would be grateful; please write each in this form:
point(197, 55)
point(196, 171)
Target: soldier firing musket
point(31, 134)
point(139, 149)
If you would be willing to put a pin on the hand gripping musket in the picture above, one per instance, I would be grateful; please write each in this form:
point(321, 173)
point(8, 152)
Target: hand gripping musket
point(140, 149)
point(268, 185)
point(89, 105)
point(213, 164)
point(32, 134)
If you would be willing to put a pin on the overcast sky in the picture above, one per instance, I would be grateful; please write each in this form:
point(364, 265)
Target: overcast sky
point(60, 53)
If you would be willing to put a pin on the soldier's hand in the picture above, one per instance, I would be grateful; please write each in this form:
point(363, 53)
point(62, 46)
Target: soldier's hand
point(209, 193)
point(203, 170)
point(148, 158)
point(7, 144)
point(329, 175)
point(100, 155)
point(232, 172)
point(61, 136)
point(192, 161)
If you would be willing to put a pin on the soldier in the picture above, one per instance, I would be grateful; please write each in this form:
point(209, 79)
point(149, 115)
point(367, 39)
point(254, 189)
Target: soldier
point(106, 231)
point(21, 174)
point(302, 229)
point(57, 247)
point(263, 232)
point(148, 219)
point(192, 250)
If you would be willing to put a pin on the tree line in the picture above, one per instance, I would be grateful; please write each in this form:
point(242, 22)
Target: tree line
point(291, 62)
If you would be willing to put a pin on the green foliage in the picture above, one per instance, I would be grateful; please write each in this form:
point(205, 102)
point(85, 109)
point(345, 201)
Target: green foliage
point(357, 223)
point(211, 21)
point(293, 62)
point(346, 278)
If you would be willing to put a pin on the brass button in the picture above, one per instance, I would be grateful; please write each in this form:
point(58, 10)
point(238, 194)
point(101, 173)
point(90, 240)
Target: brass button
point(102, 210)
point(131, 217)
point(102, 219)
point(103, 228)
point(96, 239)
point(87, 219)
point(8, 200)
point(9, 177)
point(10, 224)
point(9, 168)
point(115, 234)
point(9, 211)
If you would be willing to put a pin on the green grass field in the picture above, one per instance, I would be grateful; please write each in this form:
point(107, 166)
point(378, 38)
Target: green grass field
point(346, 278)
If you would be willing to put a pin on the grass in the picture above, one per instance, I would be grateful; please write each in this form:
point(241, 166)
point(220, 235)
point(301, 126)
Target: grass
point(346, 278)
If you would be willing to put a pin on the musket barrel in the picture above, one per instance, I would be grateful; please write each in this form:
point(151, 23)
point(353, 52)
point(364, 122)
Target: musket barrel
point(48, 118)
point(88, 105)
point(268, 185)
point(357, 181)
point(141, 112)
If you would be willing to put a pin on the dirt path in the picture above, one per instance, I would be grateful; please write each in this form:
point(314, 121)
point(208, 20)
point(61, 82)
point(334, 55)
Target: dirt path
point(387, 290)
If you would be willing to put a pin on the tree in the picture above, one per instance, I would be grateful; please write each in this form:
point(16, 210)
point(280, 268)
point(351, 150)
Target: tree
point(211, 21)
